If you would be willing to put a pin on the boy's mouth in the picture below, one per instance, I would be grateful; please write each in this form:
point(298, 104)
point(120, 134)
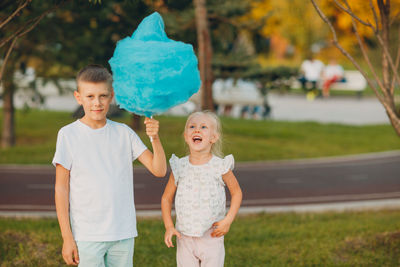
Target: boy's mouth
point(197, 139)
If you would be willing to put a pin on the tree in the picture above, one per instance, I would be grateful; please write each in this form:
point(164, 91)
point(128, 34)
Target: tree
point(179, 18)
point(217, 27)
point(290, 34)
point(18, 21)
point(285, 24)
point(64, 41)
point(204, 53)
point(88, 35)
point(379, 22)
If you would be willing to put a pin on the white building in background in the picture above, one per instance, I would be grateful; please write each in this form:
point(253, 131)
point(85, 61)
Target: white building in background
point(53, 99)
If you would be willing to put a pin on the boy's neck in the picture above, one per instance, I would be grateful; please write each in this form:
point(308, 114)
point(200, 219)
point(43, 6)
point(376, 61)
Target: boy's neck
point(94, 124)
point(199, 158)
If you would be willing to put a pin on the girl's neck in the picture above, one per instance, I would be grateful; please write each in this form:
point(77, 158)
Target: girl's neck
point(198, 158)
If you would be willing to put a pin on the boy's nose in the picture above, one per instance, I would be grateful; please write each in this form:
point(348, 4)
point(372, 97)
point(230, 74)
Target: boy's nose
point(97, 101)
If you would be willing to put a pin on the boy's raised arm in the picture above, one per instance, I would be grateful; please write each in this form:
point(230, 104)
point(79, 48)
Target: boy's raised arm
point(156, 163)
point(69, 250)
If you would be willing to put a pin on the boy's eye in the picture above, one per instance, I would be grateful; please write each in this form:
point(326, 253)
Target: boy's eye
point(191, 126)
point(203, 127)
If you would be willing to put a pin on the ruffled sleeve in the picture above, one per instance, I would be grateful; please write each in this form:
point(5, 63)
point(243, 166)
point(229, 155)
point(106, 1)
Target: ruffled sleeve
point(227, 164)
point(174, 163)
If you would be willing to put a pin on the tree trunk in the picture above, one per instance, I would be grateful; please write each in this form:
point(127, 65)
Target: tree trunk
point(384, 10)
point(393, 117)
point(204, 54)
point(136, 122)
point(8, 132)
point(389, 68)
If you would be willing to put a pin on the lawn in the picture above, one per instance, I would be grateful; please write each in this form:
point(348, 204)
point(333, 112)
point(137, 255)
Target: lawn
point(369, 238)
point(247, 140)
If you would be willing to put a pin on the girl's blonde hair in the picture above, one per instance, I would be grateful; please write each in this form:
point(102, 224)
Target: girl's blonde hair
point(216, 148)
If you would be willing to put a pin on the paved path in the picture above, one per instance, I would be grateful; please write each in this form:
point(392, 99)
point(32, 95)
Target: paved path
point(344, 110)
point(267, 186)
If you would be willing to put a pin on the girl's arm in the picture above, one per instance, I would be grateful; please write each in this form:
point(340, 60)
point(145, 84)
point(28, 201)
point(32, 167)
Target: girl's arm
point(166, 207)
point(155, 163)
point(222, 227)
point(69, 250)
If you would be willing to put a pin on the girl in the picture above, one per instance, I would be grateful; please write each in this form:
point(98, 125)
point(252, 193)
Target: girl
point(199, 181)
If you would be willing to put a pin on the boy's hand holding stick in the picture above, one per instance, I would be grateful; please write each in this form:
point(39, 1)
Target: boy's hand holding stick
point(152, 127)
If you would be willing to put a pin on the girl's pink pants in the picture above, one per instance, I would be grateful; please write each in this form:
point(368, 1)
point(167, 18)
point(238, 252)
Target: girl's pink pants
point(205, 251)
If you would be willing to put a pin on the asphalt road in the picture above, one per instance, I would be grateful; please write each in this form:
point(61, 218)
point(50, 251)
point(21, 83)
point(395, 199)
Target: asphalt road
point(282, 183)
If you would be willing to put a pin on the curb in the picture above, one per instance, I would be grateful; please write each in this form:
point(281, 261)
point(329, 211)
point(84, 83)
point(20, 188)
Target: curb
point(385, 204)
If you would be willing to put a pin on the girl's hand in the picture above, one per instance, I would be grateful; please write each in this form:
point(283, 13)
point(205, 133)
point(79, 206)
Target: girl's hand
point(221, 228)
point(169, 233)
point(152, 127)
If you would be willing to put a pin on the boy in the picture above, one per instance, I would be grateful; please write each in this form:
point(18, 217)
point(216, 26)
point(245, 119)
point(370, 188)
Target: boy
point(94, 185)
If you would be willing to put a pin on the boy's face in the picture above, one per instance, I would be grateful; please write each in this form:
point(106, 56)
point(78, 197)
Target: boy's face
point(95, 99)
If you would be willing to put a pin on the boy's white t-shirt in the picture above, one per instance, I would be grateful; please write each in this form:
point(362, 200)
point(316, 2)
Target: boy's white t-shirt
point(101, 179)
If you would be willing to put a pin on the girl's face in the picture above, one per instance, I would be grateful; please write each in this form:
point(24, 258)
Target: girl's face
point(200, 134)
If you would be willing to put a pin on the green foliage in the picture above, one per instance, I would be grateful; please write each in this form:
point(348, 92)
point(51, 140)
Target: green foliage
point(272, 77)
point(232, 51)
point(84, 33)
point(73, 35)
point(245, 68)
point(233, 67)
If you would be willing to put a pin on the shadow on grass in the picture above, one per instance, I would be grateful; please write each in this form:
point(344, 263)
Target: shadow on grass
point(357, 249)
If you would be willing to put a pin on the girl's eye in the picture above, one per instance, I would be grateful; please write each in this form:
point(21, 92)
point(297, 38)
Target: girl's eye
point(191, 126)
point(203, 127)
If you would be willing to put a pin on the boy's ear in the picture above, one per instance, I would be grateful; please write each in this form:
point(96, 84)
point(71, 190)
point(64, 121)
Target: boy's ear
point(77, 96)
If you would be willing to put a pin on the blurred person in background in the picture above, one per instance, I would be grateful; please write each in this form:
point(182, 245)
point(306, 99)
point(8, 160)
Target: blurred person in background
point(332, 73)
point(311, 70)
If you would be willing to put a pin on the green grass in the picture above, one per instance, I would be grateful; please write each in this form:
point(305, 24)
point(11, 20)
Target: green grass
point(248, 140)
point(329, 239)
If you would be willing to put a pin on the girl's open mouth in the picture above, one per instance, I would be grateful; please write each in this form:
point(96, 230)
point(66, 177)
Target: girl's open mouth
point(197, 139)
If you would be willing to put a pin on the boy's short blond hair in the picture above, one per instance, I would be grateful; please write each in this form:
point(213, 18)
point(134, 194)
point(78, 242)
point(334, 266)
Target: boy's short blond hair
point(94, 73)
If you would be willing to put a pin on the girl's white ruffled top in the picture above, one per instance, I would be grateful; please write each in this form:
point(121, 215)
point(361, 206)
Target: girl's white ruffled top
point(200, 196)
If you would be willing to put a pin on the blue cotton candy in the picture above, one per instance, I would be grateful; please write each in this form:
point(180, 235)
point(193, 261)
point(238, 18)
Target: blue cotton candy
point(151, 72)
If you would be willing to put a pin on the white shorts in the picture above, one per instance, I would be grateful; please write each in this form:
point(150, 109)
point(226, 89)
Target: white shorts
point(106, 254)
